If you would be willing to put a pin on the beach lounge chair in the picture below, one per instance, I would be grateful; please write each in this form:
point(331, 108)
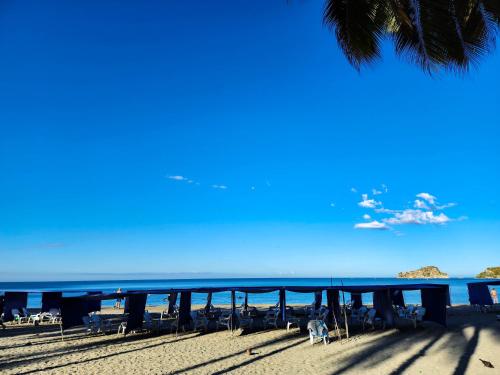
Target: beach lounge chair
point(53, 316)
point(318, 330)
point(20, 316)
point(35, 318)
point(271, 318)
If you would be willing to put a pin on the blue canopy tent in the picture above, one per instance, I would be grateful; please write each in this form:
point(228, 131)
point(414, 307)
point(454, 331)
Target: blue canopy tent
point(435, 298)
point(72, 311)
point(14, 300)
point(51, 300)
point(317, 291)
point(333, 303)
point(185, 309)
point(94, 304)
point(172, 301)
point(479, 293)
point(75, 307)
point(383, 304)
point(397, 297)
point(356, 300)
point(136, 308)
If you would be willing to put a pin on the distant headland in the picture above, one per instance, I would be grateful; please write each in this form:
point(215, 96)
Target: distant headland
point(490, 273)
point(428, 272)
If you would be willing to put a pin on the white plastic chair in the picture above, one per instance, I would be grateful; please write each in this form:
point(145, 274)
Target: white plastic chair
point(318, 330)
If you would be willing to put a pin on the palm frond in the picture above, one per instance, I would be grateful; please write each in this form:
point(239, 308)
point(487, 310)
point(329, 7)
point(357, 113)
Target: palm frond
point(358, 27)
point(434, 34)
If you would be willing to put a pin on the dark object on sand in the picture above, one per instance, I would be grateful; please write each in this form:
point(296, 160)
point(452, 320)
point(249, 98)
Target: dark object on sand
point(249, 351)
point(486, 363)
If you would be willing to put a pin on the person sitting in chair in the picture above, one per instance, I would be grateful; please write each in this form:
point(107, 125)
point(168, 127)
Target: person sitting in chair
point(494, 295)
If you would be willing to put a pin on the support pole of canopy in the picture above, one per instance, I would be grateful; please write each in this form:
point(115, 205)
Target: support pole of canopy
point(208, 306)
point(331, 296)
point(283, 304)
point(345, 311)
point(233, 309)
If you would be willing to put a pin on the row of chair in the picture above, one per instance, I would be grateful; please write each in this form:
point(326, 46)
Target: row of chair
point(23, 316)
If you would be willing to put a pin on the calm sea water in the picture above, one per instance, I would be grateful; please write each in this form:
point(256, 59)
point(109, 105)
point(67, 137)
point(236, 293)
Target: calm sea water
point(458, 288)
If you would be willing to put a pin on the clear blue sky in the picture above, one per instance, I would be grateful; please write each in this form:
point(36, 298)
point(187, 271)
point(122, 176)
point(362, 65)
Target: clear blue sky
point(104, 105)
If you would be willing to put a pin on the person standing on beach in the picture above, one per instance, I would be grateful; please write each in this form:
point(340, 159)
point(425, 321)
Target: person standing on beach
point(118, 303)
point(494, 295)
point(2, 298)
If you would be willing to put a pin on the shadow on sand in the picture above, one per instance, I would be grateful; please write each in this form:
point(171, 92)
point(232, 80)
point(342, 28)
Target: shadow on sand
point(351, 355)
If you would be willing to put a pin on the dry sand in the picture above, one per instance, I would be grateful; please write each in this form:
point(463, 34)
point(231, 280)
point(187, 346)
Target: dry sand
point(471, 336)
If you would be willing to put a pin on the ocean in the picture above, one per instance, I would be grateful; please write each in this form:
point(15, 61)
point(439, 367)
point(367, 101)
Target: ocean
point(458, 288)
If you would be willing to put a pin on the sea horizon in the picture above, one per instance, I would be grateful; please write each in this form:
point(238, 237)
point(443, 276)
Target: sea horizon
point(458, 287)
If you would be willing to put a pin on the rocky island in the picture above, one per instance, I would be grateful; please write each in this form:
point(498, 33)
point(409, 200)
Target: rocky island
point(490, 273)
point(428, 272)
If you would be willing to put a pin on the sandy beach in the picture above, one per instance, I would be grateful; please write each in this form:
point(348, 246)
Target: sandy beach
point(430, 349)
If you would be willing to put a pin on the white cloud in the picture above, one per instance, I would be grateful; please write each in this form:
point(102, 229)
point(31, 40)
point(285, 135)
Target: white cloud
point(417, 217)
point(426, 210)
point(354, 190)
point(376, 192)
point(178, 178)
point(222, 187)
point(445, 206)
point(385, 188)
point(368, 203)
point(332, 204)
point(371, 225)
point(383, 210)
point(420, 204)
point(427, 197)
point(252, 188)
